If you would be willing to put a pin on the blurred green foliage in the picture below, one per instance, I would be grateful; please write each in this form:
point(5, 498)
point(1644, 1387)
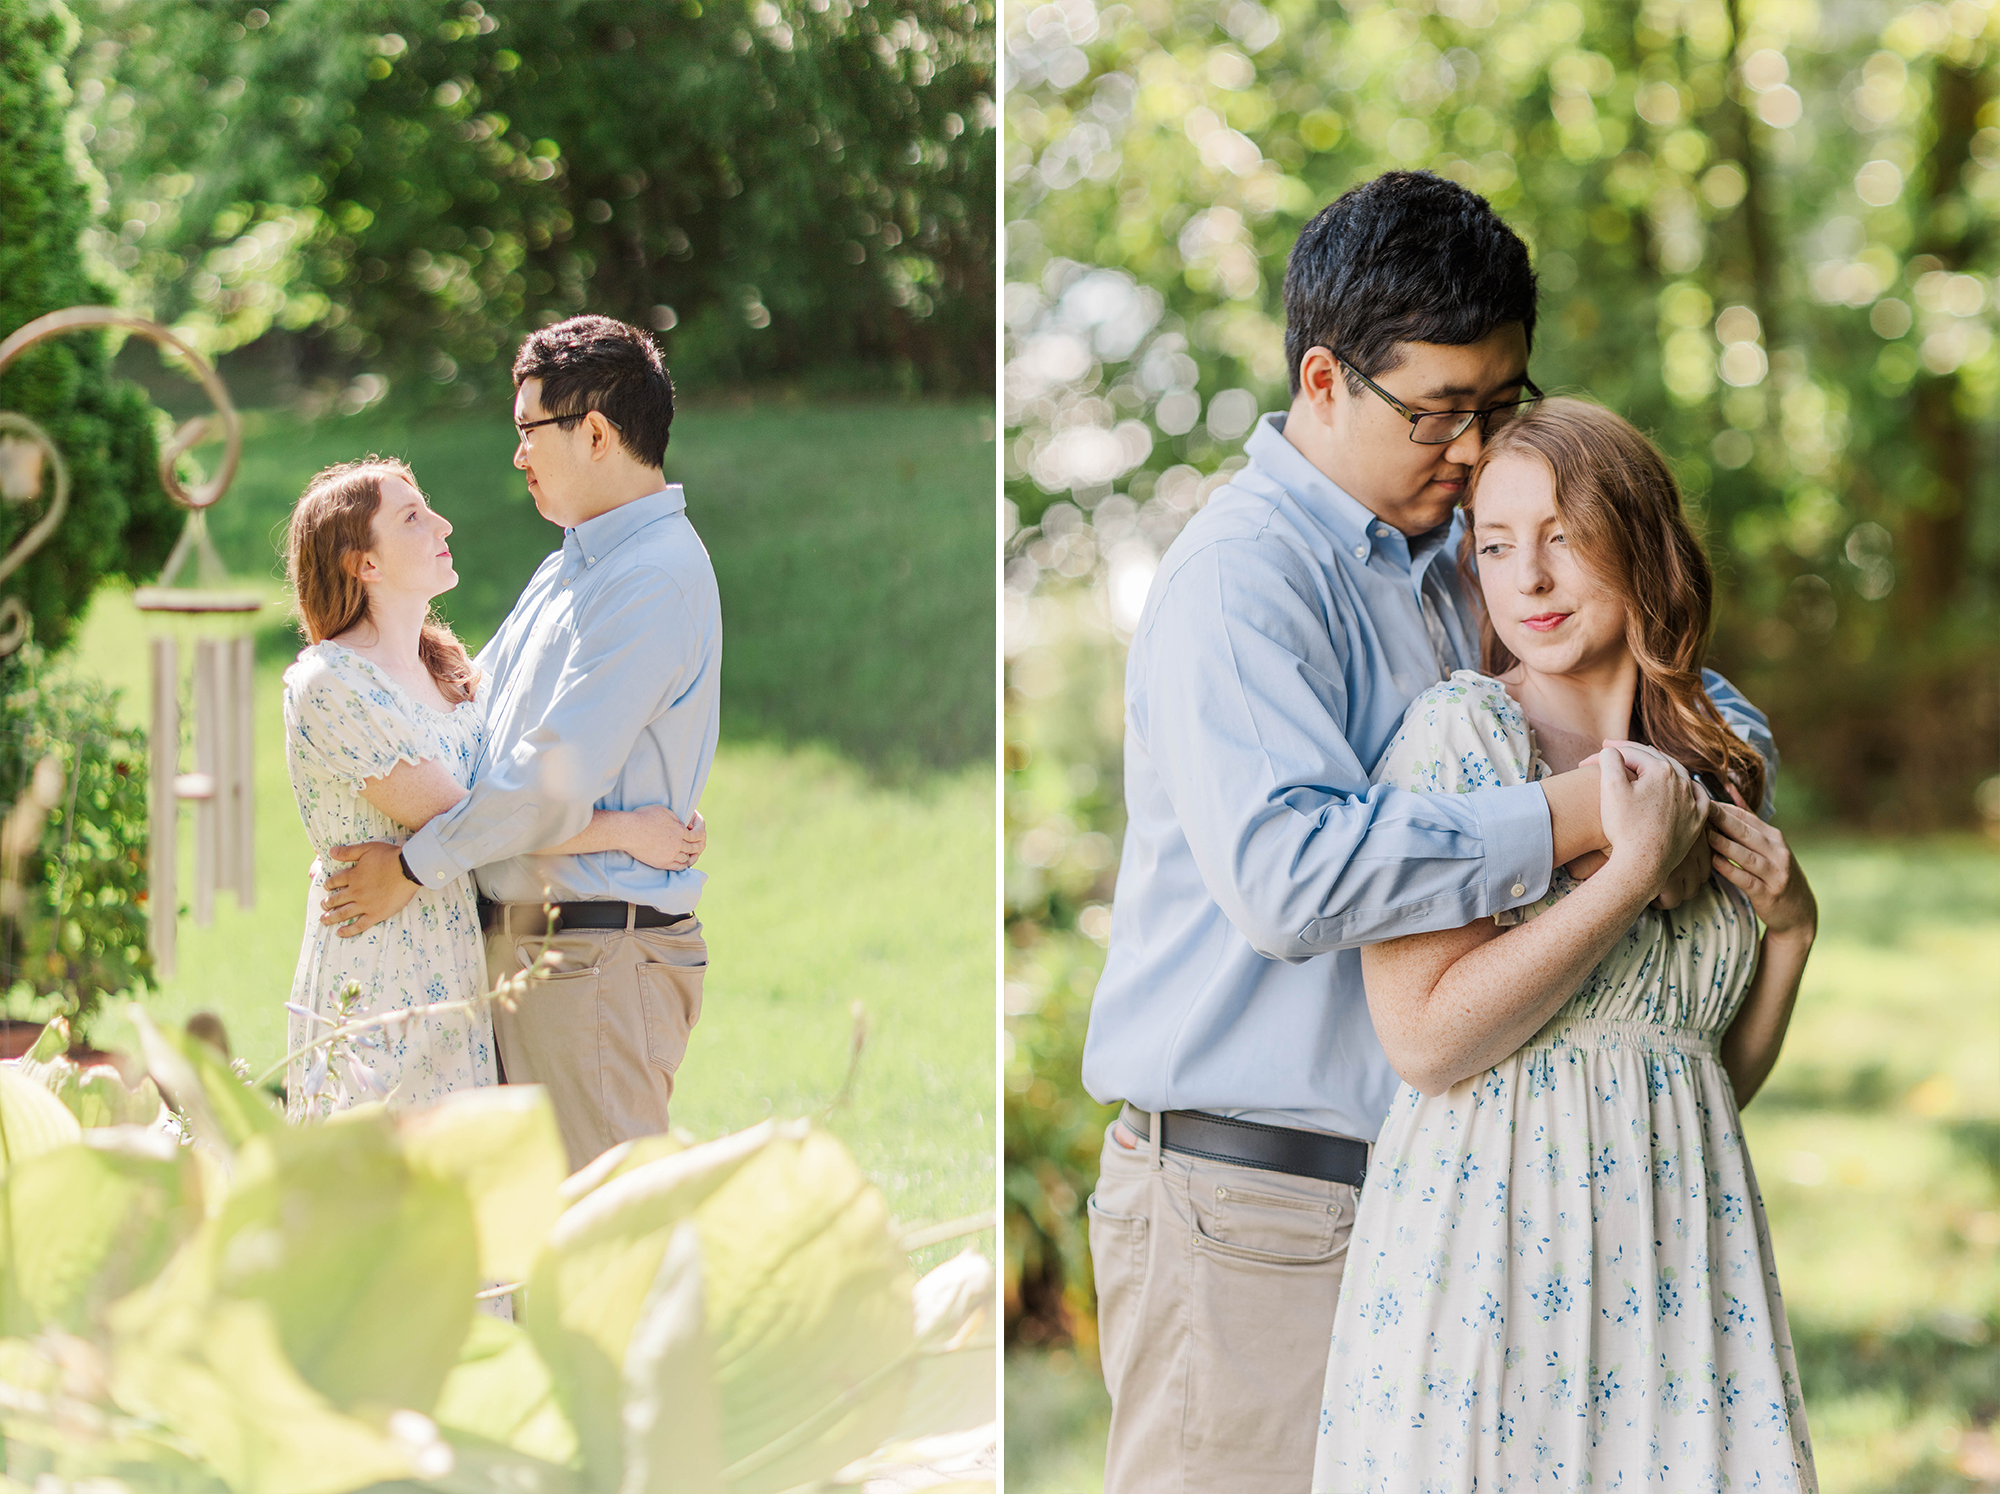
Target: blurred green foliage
point(73, 922)
point(738, 1317)
point(778, 188)
point(119, 521)
point(1764, 231)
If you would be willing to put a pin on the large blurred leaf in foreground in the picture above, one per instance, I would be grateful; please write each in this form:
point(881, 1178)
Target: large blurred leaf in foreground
point(807, 1300)
point(365, 1265)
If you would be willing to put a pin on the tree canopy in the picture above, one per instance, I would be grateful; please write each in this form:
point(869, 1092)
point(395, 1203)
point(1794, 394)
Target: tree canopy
point(119, 522)
point(777, 188)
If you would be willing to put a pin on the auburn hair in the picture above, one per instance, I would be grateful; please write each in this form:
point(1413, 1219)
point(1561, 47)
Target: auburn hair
point(334, 519)
point(1622, 517)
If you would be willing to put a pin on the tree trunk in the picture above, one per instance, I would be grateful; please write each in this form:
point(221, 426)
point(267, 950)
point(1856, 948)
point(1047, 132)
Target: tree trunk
point(1935, 532)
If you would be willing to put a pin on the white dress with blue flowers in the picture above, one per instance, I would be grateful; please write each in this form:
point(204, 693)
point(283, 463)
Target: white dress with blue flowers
point(1560, 1276)
point(346, 721)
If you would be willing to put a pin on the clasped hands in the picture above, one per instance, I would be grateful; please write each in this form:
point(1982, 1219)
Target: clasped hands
point(1674, 833)
point(371, 887)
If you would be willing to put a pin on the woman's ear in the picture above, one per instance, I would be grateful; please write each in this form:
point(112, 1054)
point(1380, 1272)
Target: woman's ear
point(360, 564)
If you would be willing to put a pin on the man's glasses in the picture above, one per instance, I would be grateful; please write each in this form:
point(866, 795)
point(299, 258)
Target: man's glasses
point(1442, 427)
point(565, 421)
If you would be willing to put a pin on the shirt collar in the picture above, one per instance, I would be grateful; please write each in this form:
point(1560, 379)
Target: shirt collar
point(1354, 527)
point(598, 537)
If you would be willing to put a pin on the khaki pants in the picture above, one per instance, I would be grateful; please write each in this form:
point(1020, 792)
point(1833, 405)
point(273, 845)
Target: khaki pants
point(1216, 1286)
point(606, 1030)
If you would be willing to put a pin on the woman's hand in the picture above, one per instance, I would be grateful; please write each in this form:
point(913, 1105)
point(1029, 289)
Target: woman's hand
point(1653, 813)
point(656, 836)
point(1756, 858)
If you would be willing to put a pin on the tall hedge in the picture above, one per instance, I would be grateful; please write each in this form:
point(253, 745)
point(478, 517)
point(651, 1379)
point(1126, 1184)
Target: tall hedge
point(120, 523)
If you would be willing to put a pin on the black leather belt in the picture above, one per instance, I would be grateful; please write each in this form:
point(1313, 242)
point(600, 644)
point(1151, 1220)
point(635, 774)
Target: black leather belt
point(1217, 1138)
point(587, 915)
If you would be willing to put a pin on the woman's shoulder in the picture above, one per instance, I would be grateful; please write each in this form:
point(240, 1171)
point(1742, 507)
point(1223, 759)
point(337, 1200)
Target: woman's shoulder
point(1467, 696)
point(332, 670)
point(1463, 733)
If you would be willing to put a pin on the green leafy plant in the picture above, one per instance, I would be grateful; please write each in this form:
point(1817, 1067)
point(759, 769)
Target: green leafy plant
point(119, 522)
point(290, 1310)
point(74, 927)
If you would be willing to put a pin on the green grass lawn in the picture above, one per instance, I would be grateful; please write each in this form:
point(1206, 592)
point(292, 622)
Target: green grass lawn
point(1877, 1148)
point(851, 810)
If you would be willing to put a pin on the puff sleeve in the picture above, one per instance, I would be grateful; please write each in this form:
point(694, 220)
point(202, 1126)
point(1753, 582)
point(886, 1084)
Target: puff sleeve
point(348, 720)
point(1464, 734)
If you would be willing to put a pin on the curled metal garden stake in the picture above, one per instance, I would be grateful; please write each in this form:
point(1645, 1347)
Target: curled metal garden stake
point(221, 786)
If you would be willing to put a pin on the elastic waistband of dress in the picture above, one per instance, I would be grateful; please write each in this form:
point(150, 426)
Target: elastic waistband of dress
point(1595, 1032)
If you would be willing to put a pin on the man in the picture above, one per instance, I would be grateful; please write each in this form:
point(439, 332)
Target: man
point(602, 688)
point(1286, 632)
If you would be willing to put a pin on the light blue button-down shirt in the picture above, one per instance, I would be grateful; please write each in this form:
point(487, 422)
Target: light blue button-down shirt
point(1286, 633)
point(602, 690)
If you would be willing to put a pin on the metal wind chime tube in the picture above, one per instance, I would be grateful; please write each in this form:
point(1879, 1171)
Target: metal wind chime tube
point(165, 807)
point(222, 786)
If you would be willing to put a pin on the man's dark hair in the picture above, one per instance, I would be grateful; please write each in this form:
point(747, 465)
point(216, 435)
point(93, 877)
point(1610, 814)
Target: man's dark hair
point(1408, 257)
point(594, 363)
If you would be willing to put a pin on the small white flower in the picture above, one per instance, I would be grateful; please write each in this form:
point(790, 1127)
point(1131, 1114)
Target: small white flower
point(315, 1074)
point(365, 1081)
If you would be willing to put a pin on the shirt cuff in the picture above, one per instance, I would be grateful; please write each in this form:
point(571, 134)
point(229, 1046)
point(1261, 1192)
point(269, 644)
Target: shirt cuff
point(425, 856)
point(1520, 845)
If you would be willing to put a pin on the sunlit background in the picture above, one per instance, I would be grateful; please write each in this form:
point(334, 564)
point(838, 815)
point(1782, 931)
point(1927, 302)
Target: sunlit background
point(1764, 232)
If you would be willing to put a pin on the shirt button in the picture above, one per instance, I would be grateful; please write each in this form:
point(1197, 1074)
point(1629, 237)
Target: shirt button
point(1519, 889)
point(1381, 534)
point(1360, 552)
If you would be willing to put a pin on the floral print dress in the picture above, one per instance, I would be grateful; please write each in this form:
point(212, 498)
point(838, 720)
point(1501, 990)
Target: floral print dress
point(1560, 1275)
point(346, 721)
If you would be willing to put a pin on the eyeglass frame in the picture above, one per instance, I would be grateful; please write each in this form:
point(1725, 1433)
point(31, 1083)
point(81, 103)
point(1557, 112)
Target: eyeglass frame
point(1535, 396)
point(522, 430)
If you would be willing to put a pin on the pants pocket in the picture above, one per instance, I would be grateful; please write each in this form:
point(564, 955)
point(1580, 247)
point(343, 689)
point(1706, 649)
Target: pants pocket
point(670, 1002)
point(1118, 1262)
point(1265, 1279)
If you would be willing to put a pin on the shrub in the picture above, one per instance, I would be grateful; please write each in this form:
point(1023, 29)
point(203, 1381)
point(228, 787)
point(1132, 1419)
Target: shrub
point(120, 523)
point(78, 928)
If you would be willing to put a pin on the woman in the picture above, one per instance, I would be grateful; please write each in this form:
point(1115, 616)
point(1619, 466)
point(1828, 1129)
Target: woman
point(383, 728)
point(1560, 1274)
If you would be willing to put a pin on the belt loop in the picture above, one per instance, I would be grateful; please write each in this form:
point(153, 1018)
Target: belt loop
point(631, 917)
point(1153, 1136)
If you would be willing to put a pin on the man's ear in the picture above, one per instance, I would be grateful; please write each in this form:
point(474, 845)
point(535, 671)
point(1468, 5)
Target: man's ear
point(603, 437)
point(1322, 384)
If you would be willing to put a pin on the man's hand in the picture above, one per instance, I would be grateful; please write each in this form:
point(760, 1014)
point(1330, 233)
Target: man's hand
point(370, 889)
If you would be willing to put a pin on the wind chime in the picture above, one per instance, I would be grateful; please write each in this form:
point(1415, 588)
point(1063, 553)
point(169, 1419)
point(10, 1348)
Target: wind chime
point(192, 584)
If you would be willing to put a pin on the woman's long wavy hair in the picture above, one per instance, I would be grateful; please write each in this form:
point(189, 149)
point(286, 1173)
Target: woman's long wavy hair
point(1622, 518)
point(333, 521)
